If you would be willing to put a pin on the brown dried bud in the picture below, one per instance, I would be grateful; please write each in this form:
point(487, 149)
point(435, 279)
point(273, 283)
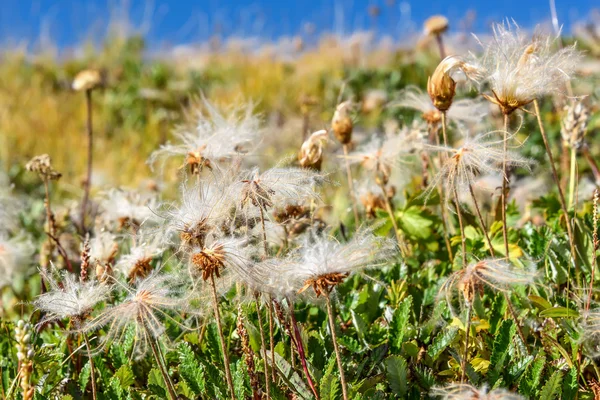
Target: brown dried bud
point(42, 164)
point(372, 202)
point(574, 125)
point(342, 123)
point(103, 272)
point(88, 79)
point(311, 152)
point(442, 87)
point(435, 25)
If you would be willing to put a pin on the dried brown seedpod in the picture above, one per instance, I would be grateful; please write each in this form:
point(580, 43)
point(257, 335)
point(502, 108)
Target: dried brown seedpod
point(342, 124)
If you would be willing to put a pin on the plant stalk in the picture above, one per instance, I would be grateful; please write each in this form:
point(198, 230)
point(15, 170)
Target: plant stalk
point(572, 176)
point(504, 194)
point(271, 337)
point(300, 348)
point(92, 372)
point(221, 336)
point(351, 187)
point(264, 233)
point(158, 357)
point(263, 343)
point(466, 351)
point(463, 238)
point(561, 195)
point(88, 179)
point(338, 355)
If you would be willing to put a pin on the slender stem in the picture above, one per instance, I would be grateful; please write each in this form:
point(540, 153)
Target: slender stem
point(572, 176)
point(88, 180)
point(161, 366)
point(463, 238)
point(390, 211)
point(338, 356)
point(263, 343)
point(466, 352)
point(442, 194)
point(440, 43)
point(300, 348)
point(481, 221)
point(351, 186)
point(561, 196)
point(505, 179)
point(595, 245)
point(513, 314)
point(593, 166)
point(264, 232)
point(271, 337)
point(92, 372)
point(221, 336)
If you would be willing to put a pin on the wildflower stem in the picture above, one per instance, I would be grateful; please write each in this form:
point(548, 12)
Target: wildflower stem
point(264, 232)
point(88, 179)
point(463, 238)
point(221, 336)
point(595, 245)
point(442, 194)
point(593, 166)
point(300, 348)
point(390, 210)
point(271, 337)
point(481, 221)
point(561, 196)
point(351, 186)
point(440, 43)
point(92, 372)
point(263, 343)
point(466, 352)
point(504, 193)
point(513, 314)
point(572, 176)
point(338, 355)
point(159, 360)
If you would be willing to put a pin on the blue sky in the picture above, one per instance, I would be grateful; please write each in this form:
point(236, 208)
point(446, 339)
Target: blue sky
point(67, 22)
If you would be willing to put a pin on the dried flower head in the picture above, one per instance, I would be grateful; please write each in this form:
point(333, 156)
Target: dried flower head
point(69, 297)
point(143, 309)
point(441, 86)
point(470, 111)
point(520, 69)
point(138, 263)
point(124, 208)
point(325, 262)
point(341, 123)
point(216, 255)
point(42, 165)
point(88, 79)
point(212, 137)
point(277, 187)
point(498, 274)
point(103, 249)
point(203, 208)
point(435, 25)
point(574, 124)
point(311, 152)
point(463, 391)
point(479, 155)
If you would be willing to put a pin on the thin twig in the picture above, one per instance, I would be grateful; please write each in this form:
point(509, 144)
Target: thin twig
point(222, 337)
point(263, 343)
point(351, 187)
point(88, 179)
point(338, 355)
point(161, 366)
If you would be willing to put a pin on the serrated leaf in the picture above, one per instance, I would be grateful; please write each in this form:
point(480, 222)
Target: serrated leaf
point(156, 383)
point(399, 324)
point(396, 373)
point(570, 385)
point(240, 374)
point(329, 386)
point(125, 376)
point(415, 222)
point(503, 339)
point(441, 341)
point(84, 376)
point(190, 369)
point(531, 380)
point(553, 387)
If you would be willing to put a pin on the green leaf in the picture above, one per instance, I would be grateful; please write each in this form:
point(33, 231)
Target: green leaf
point(540, 302)
point(239, 373)
point(156, 383)
point(553, 387)
point(530, 382)
point(84, 376)
point(399, 324)
point(503, 339)
point(125, 376)
point(559, 312)
point(441, 341)
point(190, 369)
point(570, 386)
point(329, 387)
point(396, 373)
point(416, 222)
